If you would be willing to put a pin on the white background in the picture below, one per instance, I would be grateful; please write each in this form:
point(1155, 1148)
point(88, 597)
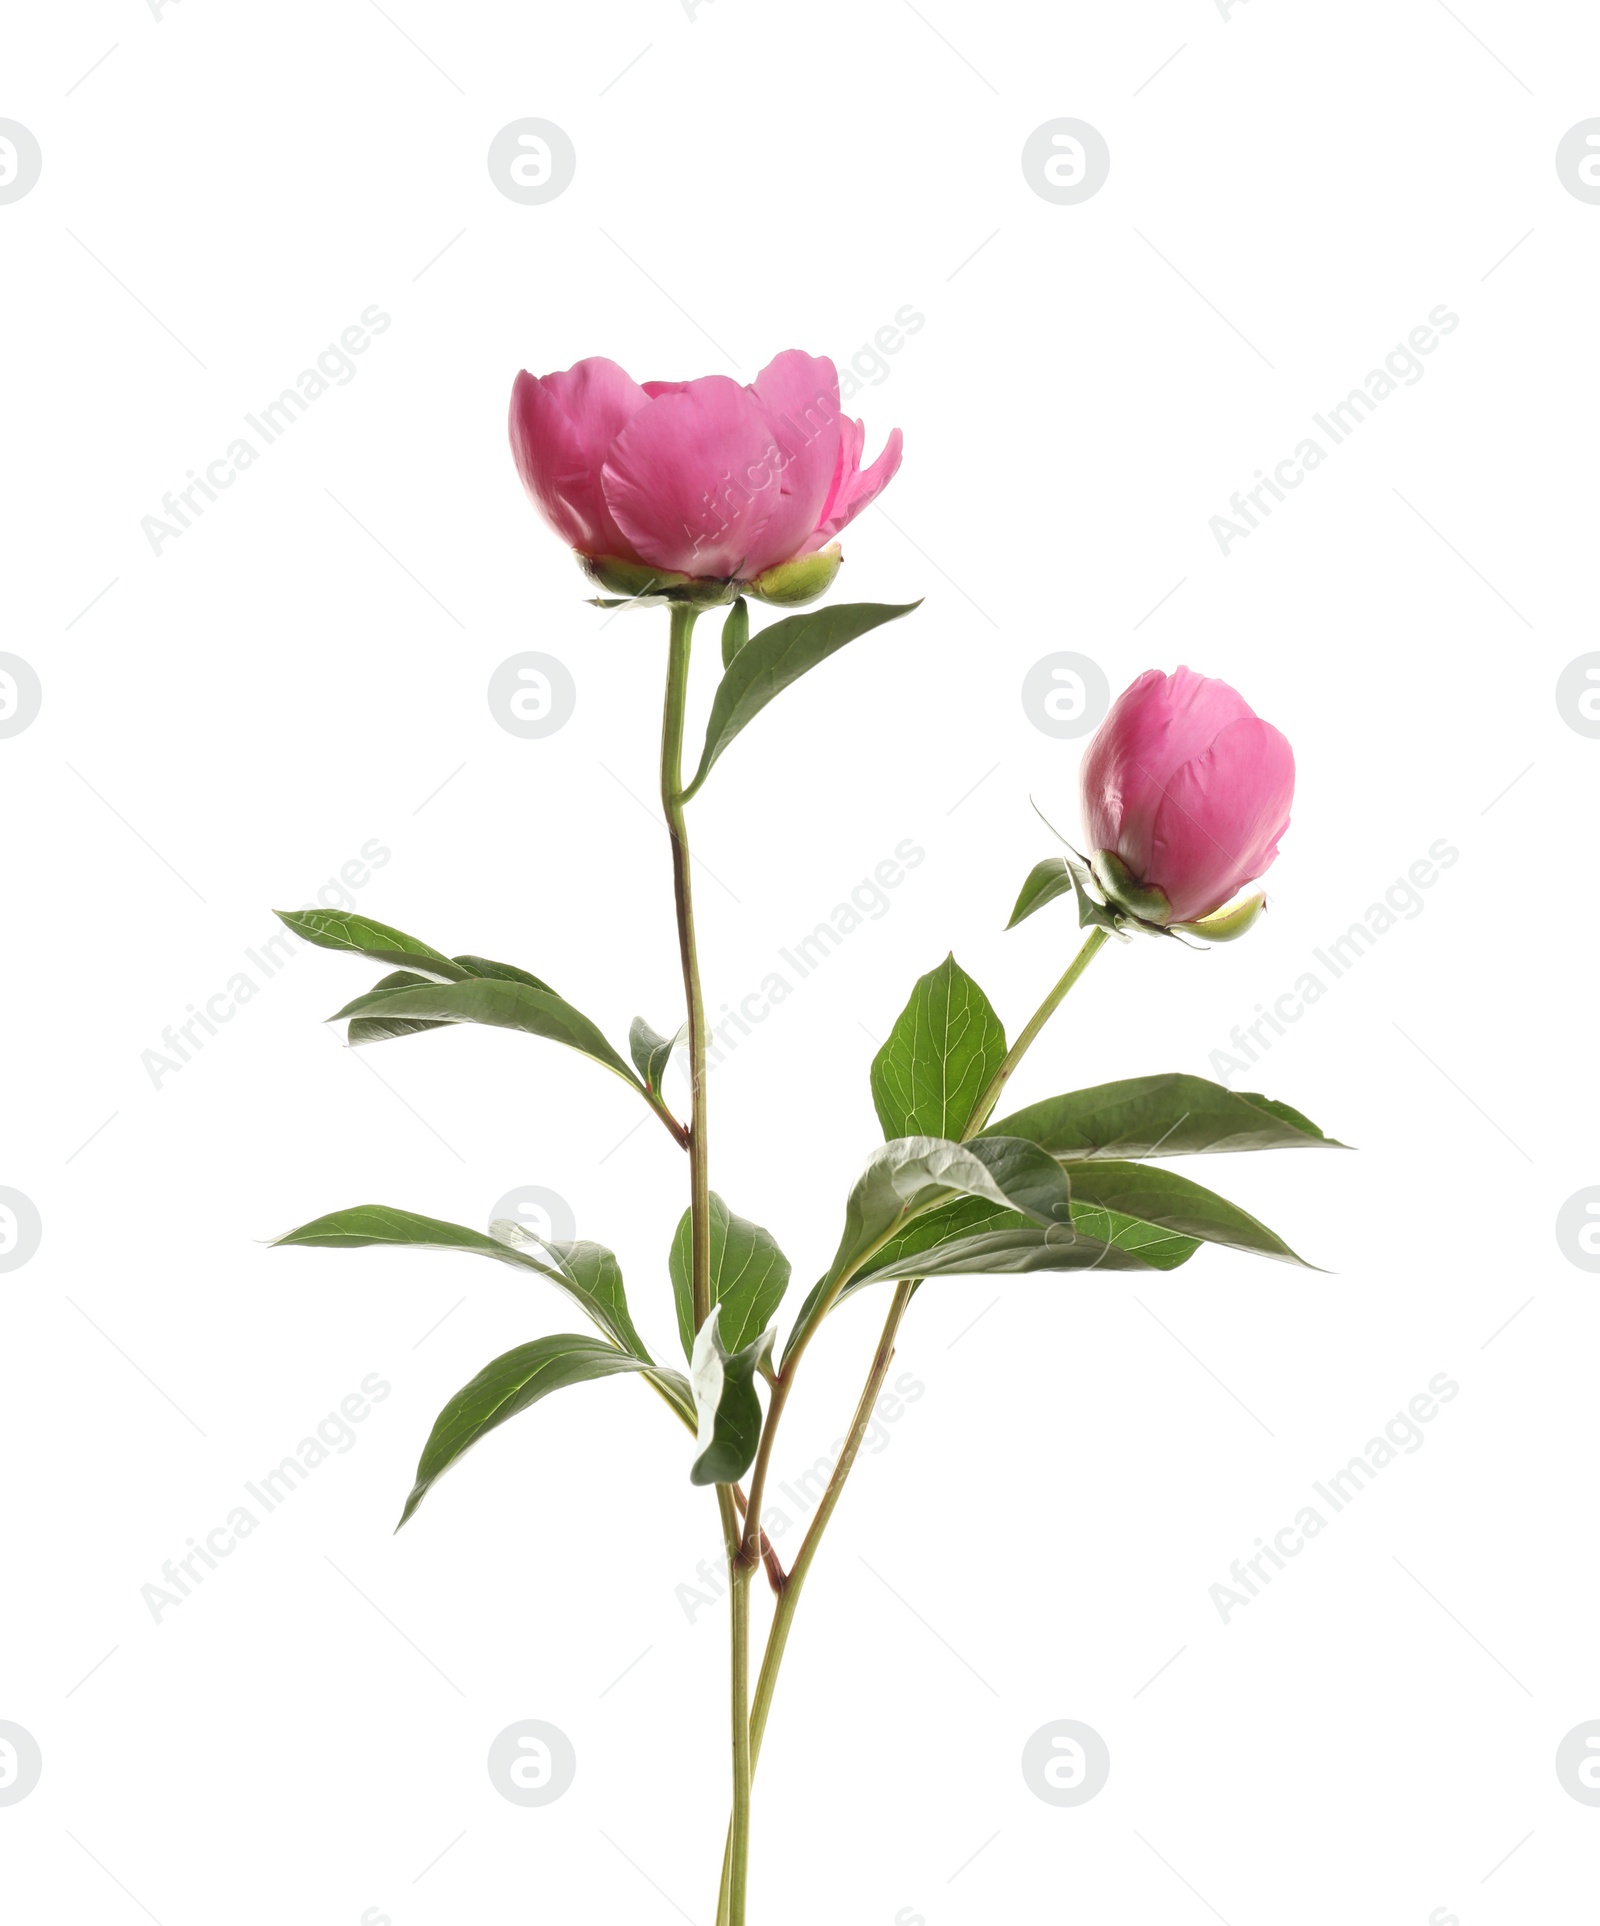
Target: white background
point(232, 719)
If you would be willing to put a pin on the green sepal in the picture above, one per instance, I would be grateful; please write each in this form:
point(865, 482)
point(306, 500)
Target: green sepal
point(638, 585)
point(790, 585)
point(1123, 890)
point(1045, 882)
point(1226, 925)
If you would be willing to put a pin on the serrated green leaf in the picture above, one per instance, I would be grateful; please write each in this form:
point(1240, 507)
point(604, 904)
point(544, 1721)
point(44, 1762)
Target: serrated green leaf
point(735, 630)
point(501, 1389)
point(506, 1004)
point(1045, 882)
point(1173, 1115)
point(775, 657)
point(341, 930)
point(749, 1275)
point(944, 1047)
point(726, 1403)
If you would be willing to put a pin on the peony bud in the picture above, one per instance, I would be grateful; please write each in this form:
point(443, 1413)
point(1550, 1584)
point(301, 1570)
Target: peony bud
point(1186, 792)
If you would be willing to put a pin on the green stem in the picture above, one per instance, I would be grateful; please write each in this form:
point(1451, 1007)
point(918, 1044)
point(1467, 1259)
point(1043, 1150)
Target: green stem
point(983, 1109)
point(674, 707)
point(736, 1865)
point(672, 715)
point(789, 1598)
point(789, 1601)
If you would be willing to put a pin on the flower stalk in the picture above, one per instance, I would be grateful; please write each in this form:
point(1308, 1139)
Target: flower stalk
point(673, 711)
point(674, 707)
point(698, 494)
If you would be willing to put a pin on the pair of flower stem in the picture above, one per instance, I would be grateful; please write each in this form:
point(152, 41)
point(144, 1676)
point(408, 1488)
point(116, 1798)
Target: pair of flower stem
point(742, 1538)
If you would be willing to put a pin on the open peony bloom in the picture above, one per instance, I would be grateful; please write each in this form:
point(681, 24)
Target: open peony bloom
point(1186, 792)
point(697, 490)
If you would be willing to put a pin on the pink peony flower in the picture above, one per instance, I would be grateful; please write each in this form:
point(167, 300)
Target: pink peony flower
point(702, 480)
point(1188, 790)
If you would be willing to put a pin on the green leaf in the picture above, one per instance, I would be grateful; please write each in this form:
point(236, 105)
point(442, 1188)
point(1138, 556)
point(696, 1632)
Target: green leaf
point(506, 1004)
point(1054, 877)
point(777, 656)
point(968, 1217)
point(914, 1174)
point(973, 1237)
point(725, 1399)
point(735, 631)
point(1011, 1246)
point(588, 1273)
point(945, 1046)
point(1164, 1198)
point(749, 1275)
point(1046, 881)
point(652, 1053)
point(1174, 1115)
point(380, 1029)
point(339, 930)
point(502, 1389)
point(1014, 1249)
point(500, 972)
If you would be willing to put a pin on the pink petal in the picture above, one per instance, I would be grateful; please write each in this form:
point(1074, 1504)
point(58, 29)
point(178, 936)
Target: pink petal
point(857, 491)
point(852, 439)
point(691, 480)
point(561, 429)
point(1154, 727)
point(1220, 818)
point(800, 396)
